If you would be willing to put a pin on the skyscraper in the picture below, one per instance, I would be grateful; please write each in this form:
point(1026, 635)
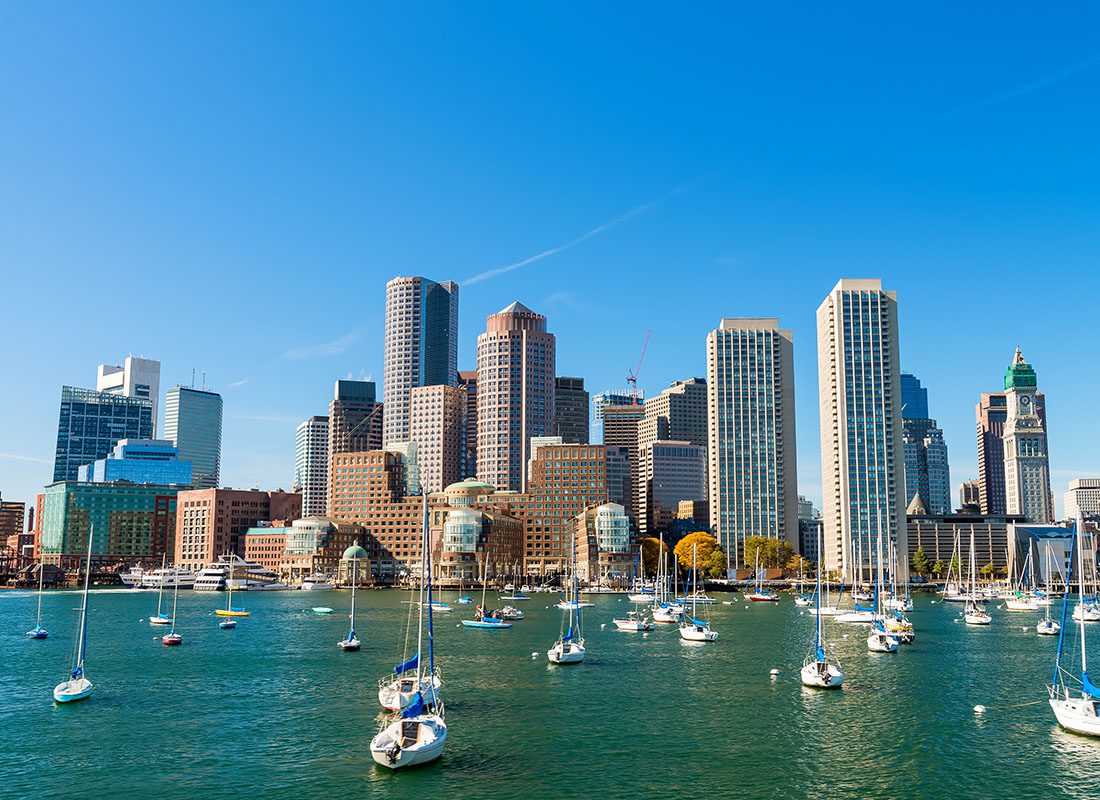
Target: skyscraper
point(354, 423)
point(90, 424)
point(668, 472)
point(751, 446)
point(437, 425)
point(311, 465)
point(603, 399)
point(421, 345)
point(678, 413)
point(620, 436)
point(991, 412)
point(1027, 470)
point(926, 468)
point(193, 422)
point(468, 382)
point(861, 431)
point(515, 393)
point(1083, 496)
point(136, 377)
point(570, 410)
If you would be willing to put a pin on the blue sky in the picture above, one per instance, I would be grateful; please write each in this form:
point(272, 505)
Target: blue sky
point(228, 187)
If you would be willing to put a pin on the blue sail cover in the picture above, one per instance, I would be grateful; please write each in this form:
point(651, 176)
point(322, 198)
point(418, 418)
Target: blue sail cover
point(1087, 686)
point(819, 652)
point(698, 622)
point(412, 663)
point(415, 708)
point(863, 608)
point(568, 635)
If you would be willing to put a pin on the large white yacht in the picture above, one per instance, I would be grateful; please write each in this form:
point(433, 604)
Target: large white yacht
point(317, 583)
point(166, 578)
point(132, 577)
point(247, 576)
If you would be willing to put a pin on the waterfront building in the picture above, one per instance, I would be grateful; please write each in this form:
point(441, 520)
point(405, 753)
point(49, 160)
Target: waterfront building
point(265, 545)
point(1027, 470)
point(939, 534)
point(132, 523)
point(12, 514)
point(669, 472)
point(314, 545)
point(926, 468)
point(354, 422)
point(602, 400)
point(421, 346)
point(135, 377)
point(862, 460)
point(91, 423)
point(620, 430)
point(410, 466)
point(139, 461)
point(311, 465)
point(620, 482)
point(570, 410)
point(211, 522)
point(438, 426)
point(1083, 497)
point(753, 474)
point(468, 381)
point(809, 532)
point(604, 550)
point(193, 421)
point(992, 412)
point(515, 393)
point(970, 497)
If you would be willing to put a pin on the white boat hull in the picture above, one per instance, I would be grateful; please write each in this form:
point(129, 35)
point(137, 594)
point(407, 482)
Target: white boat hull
point(72, 690)
point(640, 598)
point(979, 618)
point(1086, 613)
point(822, 675)
point(1048, 628)
point(393, 750)
point(855, 617)
point(826, 611)
point(1077, 714)
point(667, 616)
point(882, 643)
point(698, 633)
point(634, 625)
point(162, 620)
point(558, 654)
point(1021, 605)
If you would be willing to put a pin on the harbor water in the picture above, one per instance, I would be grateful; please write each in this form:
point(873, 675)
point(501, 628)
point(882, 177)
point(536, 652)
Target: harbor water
point(273, 709)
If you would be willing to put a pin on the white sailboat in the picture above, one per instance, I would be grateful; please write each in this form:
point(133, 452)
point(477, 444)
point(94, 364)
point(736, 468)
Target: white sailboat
point(1076, 709)
point(229, 612)
point(351, 643)
point(418, 732)
point(569, 648)
point(1047, 626)
point(485, 619)
point(78, 687)
point(38, 632)
point(878, 640)
point(1023, 597)
point(760, 594)
point(818, 670)
point(172, 638)
point(665, 609)
point(695, 629)
point(973, 613)
point(160, 618)
point(637, 593)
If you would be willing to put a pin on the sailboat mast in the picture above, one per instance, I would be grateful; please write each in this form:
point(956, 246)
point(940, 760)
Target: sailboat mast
point(160, 589)
point(431, 632)
point(41, 579)
point(84, 605)
point(175, 597)
point(420, 605)
point(1081, 583)
point(694, 581)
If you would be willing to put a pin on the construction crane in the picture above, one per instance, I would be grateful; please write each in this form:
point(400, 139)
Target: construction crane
point(632, 377)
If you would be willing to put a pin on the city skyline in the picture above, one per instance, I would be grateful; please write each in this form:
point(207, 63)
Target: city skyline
point(944, 179)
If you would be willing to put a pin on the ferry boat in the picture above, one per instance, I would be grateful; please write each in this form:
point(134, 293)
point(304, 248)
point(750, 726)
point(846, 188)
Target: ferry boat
point(247, 576)
point(316, 583)
point(166, 577)
point(132, 577)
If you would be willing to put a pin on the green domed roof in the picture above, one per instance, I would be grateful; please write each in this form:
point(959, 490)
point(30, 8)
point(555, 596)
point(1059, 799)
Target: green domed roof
point(470, 484)
point(353, 552)
point(1020, 374)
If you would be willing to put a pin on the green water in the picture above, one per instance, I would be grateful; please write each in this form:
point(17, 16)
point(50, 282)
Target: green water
point(272, 709)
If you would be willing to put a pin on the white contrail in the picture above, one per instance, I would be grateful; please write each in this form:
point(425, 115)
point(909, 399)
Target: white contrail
point(553, 251)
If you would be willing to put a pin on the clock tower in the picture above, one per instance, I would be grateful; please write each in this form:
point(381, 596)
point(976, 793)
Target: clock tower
point(1027, 469)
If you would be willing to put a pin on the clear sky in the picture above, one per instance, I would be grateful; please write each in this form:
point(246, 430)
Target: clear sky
point(228, 187)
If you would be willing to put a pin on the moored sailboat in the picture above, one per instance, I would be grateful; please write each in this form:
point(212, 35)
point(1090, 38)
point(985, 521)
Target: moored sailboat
point(351, 643)
point(818, 670)
point(78, 687)
point(161, 618)
point(569, 648)
point(38, 632)
point(694, 629)
point(172, 638)
point(974, 614)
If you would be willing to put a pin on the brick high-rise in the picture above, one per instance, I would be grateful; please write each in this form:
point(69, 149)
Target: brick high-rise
point(515, 393)
point(354, 422)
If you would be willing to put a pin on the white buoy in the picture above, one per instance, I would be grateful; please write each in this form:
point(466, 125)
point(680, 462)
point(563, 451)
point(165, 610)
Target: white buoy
point(979, 709)
point(774, 672)
point(932, 603)
point(645, 635)
point(845, 636)
point(603, 625)
point(1023, 628)
point(458, 624)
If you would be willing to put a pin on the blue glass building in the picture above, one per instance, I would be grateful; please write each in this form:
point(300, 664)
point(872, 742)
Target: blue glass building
point(91, 423)
point(139, 461)
point(193, 422)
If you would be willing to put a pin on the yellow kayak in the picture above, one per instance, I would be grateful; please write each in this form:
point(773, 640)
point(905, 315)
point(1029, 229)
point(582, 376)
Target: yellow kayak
point(234, 612)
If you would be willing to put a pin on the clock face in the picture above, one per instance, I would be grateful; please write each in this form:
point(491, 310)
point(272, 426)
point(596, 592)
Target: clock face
point(1025, 401)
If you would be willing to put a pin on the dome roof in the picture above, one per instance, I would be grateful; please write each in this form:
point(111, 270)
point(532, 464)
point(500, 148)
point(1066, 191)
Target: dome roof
point(470, 485)
point(354, 552)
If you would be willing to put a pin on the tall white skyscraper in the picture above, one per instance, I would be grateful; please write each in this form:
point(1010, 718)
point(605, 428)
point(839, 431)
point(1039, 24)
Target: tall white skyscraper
point(751, 433)
point(193, 422)
point(862, 461)
point(311, 465)
point(136, 377)
point(421, 346)
point(1027, 470)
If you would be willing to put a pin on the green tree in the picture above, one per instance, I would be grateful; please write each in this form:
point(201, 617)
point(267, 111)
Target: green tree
point(921, 564)
point(988, 571)
point(939, 567)
point(754, 545)
point(953, 567)
point(651, 553)
point(710, 558)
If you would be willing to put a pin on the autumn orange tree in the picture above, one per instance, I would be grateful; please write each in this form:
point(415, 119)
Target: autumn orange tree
point(709, 556)
point(651, 554)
